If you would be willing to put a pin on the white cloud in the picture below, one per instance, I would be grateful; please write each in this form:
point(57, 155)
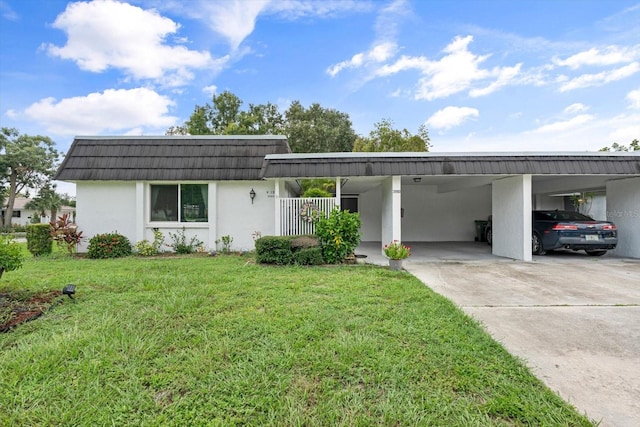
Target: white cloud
point(451, 116)
point(576, 108)
point(7, 12)
point(112, 110)
point(634, 99)
point(610, 56)
point(455, 72)
point(105, 34)
point(378, 53)
point(210, 90)
point(599, 79)
point(11, 114)
point(566, 124)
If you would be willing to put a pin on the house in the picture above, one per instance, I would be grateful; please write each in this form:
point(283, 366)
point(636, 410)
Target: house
point(241, 186)
point(23, 216)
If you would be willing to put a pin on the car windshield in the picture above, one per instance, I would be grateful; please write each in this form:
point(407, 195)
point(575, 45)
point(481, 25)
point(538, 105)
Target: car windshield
point(563, 216)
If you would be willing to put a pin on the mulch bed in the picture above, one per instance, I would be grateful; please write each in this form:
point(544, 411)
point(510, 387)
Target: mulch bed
point(17, 307)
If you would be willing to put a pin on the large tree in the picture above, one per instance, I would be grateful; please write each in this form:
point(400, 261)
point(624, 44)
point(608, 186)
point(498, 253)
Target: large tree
point(317, 129)
point(26, 162)
point(385, 138)
point(634, 146)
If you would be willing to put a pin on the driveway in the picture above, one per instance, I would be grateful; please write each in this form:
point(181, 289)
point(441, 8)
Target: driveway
point(574, 319)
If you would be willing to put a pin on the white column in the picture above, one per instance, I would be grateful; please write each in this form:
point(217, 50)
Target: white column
point(511, 217)
point(623, 209)
point(213, 214)
point(338, 192)
point(276, 195)
point(391, 209)
point(396, 191)
point(141, 212)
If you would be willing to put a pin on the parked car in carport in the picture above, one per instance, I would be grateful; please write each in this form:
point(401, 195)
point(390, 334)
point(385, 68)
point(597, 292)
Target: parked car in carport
point(568, 230)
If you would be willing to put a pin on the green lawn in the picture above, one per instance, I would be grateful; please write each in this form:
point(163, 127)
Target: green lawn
point(222, 341)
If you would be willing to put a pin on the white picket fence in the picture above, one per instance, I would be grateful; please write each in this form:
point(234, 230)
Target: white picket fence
point(296, 213)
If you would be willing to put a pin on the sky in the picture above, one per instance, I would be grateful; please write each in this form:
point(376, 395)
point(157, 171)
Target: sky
point(482, 75)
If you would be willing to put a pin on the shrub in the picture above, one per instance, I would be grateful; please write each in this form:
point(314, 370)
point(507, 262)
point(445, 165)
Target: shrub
point(11, 256)
point(39, 239)
point(304, 241)
point(309, 256)
point(226, 242)
point(144, 248)
point(180, 244)
point(65, 233)
point(316, 192)
point(109, 245)
point(274, 250)
point(339, 235)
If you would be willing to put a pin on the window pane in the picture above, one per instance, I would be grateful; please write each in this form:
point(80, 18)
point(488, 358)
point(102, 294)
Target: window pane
point(194, 199)
point(164, 203)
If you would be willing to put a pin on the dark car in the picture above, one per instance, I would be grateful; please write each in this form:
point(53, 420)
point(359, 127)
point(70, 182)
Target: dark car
point(569, 230)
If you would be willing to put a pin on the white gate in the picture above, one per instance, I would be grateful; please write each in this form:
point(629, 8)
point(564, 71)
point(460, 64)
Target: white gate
point(297, 213)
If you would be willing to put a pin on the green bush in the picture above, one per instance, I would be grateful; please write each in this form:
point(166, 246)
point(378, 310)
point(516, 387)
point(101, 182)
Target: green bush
point(11, 256)
point(145, 248)
point(339, 235)
point(39, 239)
point(109, 245)
point(309, 256)
point(316, 192)
point(274, 250)
point(304, 241)
point(180, 244)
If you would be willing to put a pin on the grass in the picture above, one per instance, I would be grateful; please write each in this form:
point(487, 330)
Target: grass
point(221, 341)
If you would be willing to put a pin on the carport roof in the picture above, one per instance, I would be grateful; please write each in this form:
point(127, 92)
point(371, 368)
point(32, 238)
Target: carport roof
point(387, 164)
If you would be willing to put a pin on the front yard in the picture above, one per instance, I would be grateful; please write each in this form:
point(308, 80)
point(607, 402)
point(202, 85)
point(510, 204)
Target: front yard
point(221, 341)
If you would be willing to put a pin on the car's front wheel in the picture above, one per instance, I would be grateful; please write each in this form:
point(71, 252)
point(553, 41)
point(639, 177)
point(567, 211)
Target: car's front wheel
point(489, 236)
point(536, 245)
point(596, 253)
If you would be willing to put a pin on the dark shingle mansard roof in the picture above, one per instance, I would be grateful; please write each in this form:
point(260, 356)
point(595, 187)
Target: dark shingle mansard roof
point(168, 158)
point(386, 164)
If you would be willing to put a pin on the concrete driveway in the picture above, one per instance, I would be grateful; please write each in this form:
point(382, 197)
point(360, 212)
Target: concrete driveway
point(574, 319)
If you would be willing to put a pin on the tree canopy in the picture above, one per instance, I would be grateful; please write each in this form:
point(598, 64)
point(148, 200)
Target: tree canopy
point(47, 200)
point(634, 146)
point(385, 138)
point(26, 162)
point(317, 129)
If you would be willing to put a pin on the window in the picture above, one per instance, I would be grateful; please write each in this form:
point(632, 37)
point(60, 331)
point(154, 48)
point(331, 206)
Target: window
point(16, 214)
point(191, 198)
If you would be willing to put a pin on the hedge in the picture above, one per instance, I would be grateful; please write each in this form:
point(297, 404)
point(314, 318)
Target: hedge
point(39, 239)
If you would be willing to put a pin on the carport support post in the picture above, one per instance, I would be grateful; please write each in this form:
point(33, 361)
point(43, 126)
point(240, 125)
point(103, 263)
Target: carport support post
point(511, 217)
point(276, 196)
point(623, 208)
point(391, 210)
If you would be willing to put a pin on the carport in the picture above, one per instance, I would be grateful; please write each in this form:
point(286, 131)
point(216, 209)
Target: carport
point(435, 197)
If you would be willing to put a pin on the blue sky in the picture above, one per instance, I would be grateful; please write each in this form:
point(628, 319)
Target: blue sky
point(483, 75)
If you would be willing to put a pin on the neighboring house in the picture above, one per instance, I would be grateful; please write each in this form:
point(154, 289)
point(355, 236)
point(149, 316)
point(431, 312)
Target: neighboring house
point(205, 184)
point(23, 216)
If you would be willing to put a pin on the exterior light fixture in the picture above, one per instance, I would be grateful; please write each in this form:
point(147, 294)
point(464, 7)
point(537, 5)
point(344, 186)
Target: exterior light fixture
point(417, 179)
point(69, 290)
point(252, 194)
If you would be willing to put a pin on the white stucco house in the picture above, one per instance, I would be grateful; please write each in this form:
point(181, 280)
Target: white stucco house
point(240, 186)
point(23, 216)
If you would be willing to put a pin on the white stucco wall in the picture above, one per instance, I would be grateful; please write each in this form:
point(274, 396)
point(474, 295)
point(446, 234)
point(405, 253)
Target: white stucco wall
point(623, 208)
point(430, 216)
point(544, 202)
point(596, 208)
point(371, 214)
point(105, 207)
point(511, 210)
point(238, 218)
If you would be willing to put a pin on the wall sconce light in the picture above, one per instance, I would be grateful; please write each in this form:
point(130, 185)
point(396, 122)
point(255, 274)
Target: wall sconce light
point(252, 194)
point(417, 179)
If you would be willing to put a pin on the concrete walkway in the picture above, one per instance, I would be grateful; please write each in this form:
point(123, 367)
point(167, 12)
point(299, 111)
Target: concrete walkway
point(574, 319)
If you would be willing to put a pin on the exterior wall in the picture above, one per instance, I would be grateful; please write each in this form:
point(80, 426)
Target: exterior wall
point(430, 216)
point(623, 208)
point(369, 204)
point(596, 208)
point(105, 207)
point(544, 202)
point(511, 226)
point(238, 218)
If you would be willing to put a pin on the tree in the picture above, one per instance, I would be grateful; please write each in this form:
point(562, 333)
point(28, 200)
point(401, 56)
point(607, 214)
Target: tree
point(318, 129)
point(47, 200)
point(26, 162)
point(634, 146)
point(385, 138)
